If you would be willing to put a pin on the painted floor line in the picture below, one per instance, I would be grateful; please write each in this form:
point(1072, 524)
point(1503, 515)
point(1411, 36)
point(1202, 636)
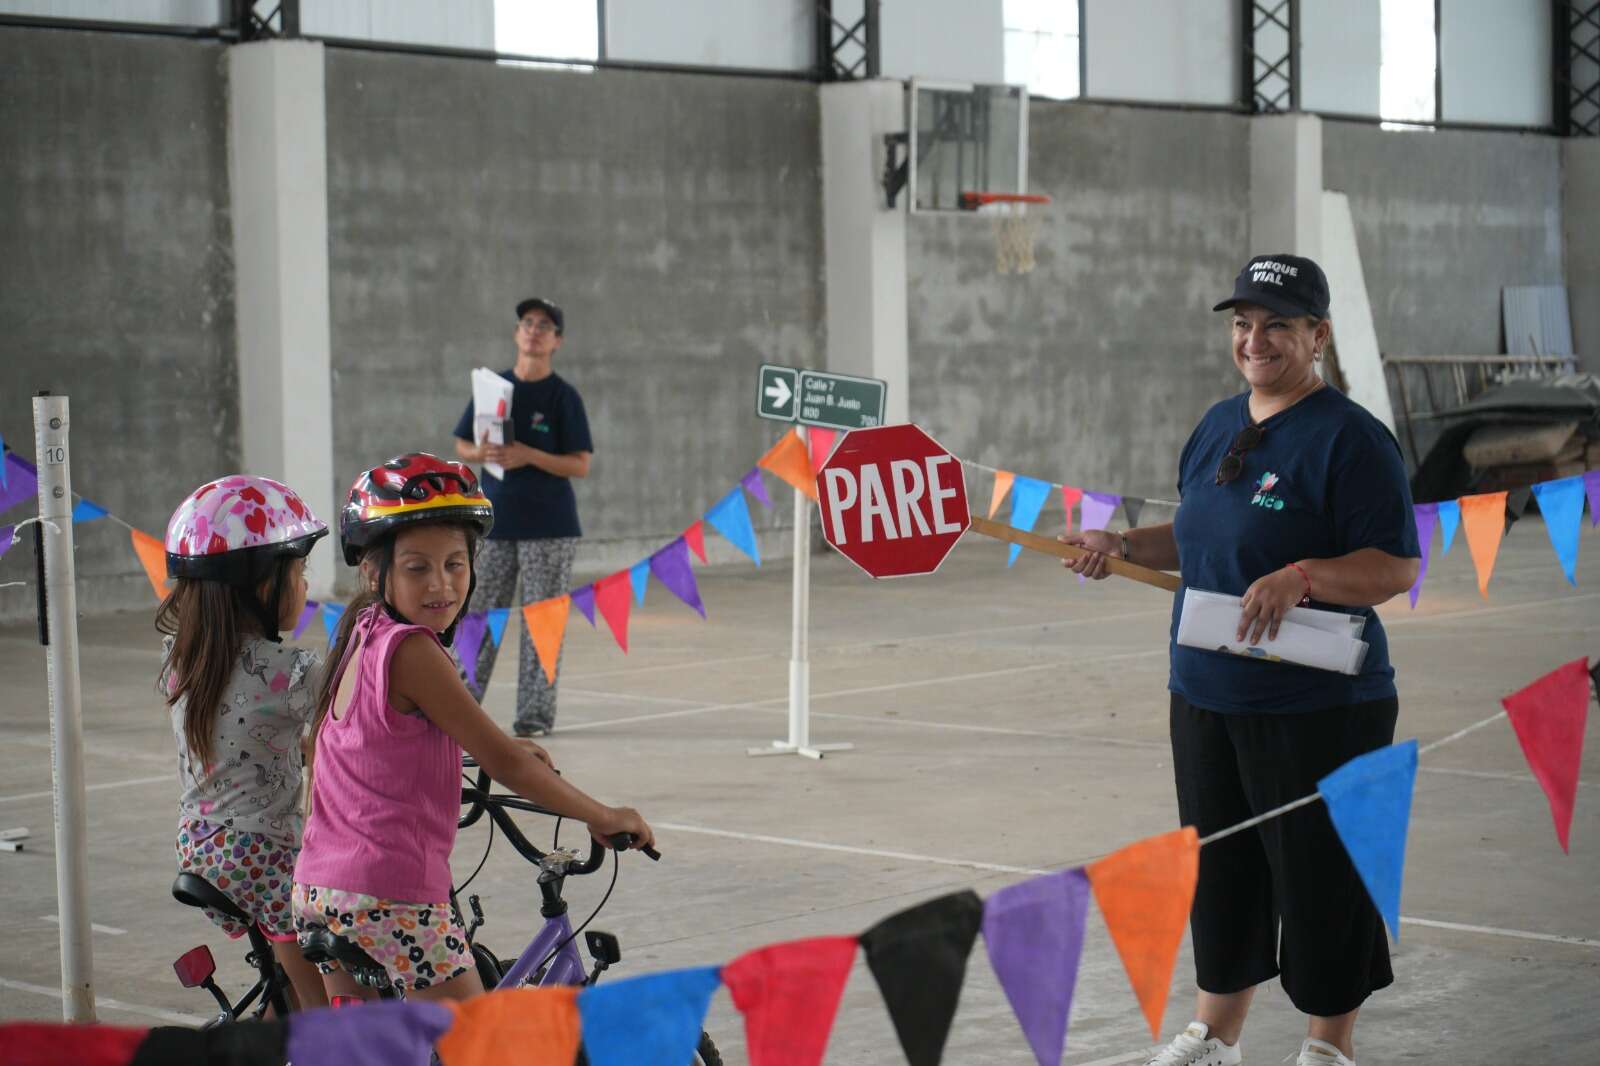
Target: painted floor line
point(1003, 731)
point(107, 1003)
point(1127, 1056)
point(1493, 775)
point(47, 793)
point(1485, 612)
point(1490, 930)
point(109, 930)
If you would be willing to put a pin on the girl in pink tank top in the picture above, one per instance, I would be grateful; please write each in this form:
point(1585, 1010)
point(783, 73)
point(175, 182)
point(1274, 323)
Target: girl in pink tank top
point(392, 719)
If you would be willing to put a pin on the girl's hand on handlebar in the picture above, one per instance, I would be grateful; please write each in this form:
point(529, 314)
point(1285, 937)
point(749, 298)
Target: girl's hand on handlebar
point(623, 820)
point(535, 750)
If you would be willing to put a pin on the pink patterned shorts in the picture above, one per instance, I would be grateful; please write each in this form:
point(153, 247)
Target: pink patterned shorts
point(419, 944)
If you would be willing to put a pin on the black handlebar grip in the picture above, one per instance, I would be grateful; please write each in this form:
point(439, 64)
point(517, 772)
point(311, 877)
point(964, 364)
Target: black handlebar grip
point(624, 841)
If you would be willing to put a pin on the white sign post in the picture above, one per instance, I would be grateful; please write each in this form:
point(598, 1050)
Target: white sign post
point(60, 602)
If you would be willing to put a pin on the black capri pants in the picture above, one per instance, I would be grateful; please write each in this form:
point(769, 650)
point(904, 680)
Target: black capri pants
point(1290, 872)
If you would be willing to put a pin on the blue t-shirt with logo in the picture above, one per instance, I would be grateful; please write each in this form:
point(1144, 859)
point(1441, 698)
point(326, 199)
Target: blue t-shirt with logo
point(1327, 479)
point(531, 504)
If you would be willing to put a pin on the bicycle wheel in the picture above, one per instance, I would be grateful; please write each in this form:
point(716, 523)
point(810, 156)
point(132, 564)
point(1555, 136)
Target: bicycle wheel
point(490, 968)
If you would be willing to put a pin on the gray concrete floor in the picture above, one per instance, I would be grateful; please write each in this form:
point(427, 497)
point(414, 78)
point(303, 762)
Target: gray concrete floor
point(1003, 717)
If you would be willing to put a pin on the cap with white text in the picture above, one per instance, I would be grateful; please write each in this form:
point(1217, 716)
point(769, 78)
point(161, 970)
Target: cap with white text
point(1287, 284)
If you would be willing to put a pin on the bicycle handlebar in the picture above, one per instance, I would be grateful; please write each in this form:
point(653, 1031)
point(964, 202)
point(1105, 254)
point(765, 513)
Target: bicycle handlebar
point(483, 801)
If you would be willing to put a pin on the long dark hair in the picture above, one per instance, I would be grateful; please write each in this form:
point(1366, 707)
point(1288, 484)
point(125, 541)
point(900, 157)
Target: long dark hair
point(208, 621)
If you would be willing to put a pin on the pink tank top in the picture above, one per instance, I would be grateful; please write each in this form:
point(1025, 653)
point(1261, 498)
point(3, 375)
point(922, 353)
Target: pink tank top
point(386, 786)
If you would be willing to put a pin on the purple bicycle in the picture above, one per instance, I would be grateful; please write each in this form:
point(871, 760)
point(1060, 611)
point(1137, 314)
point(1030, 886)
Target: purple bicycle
point(551, 957)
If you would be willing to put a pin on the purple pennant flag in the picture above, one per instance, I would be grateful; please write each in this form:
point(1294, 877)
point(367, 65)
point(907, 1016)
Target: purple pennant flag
point(1034, 934)
point(307, 613)
point(753, 485)
point(583, 600)
point(470, 631)
point(1427, 515)
point(670, 566)
point(21, 481)
point(1591, 485)
point(1097, 508)
point(8, 537)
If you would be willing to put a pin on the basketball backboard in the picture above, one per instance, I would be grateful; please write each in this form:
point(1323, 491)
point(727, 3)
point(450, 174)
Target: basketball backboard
point(964, 138)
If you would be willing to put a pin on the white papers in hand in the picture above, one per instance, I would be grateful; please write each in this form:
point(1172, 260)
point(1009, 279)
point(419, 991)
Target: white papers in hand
point(1326, 640)
point(491, 406)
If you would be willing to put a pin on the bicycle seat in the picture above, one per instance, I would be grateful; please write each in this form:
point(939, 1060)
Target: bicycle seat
point(322, 945)
point(195, 891)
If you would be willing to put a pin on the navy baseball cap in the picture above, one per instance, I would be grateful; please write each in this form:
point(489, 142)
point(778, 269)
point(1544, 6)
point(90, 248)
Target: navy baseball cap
point(535, 303)
point(1287, 284)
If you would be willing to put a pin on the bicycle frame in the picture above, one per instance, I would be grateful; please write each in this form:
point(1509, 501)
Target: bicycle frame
point(565, 969)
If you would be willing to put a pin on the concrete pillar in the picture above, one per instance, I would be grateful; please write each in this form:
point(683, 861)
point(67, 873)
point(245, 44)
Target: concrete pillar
point(1286, 185)
point(1580, 226)
point(864, 241)
point(278, 180)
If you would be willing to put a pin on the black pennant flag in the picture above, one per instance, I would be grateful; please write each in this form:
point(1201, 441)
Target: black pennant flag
point(237, 1044)
point(1131, 506)
point(919, 958)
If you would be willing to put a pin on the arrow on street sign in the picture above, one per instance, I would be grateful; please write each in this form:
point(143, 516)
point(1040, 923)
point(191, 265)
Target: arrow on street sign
point(779, 393)
point(776, 387)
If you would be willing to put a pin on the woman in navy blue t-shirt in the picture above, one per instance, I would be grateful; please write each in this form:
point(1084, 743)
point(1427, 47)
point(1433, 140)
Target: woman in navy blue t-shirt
point(1291, 494)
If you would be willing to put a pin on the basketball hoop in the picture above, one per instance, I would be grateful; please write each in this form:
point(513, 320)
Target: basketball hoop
point(1014, 228)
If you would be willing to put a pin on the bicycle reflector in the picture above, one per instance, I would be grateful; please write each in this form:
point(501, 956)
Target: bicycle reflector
point(195, 967)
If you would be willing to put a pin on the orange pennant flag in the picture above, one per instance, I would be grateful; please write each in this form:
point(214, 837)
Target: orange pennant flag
point(789, 461)
point(1145, 892)
point(547, 624)
point(153, 557)
point(528, 1026)
point(821, 445)
point(1484, 519)
point(1002, 485)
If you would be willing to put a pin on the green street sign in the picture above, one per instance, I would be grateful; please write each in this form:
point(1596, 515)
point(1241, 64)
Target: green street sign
point(839, 401)
point(777, 389)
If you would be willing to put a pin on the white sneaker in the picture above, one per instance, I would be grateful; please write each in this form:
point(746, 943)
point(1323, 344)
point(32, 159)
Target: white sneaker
point(1195, 1047)
point(1321, 1053)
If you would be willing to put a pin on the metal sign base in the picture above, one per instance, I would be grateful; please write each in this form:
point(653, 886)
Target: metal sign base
point(783, 747)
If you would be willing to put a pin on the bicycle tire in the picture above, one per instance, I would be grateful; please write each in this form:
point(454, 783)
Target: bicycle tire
point(490, 968)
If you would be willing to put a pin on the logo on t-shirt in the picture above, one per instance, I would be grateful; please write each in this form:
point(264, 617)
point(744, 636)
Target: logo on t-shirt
point(1264, 496)
point(539, 424)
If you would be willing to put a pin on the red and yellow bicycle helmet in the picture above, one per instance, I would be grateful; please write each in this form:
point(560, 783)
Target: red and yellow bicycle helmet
point(416, 487)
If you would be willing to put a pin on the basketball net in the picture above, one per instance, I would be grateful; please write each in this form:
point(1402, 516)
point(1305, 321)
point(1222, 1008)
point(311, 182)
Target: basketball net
point(1014, 233)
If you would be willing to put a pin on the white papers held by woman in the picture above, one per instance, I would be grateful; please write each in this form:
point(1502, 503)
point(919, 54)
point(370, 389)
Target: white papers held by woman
point(491, 406)
point(1326, 640)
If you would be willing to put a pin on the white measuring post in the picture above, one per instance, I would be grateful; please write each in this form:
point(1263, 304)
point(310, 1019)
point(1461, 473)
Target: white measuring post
point(799, 742)
point(50, 426)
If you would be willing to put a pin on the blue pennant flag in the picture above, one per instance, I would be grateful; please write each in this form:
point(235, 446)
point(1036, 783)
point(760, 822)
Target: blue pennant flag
point(640, 575)
point(84, 511)
point(1369, 800)
point(497, 623)
point(642, 1021)
point(1449, 519)
point(1561, 506)
point(331, 613)
point(731, 517)
point(1027, 497)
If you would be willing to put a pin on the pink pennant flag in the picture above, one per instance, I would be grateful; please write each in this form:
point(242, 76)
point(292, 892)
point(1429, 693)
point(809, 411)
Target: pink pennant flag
point(1549, 717)
point(821, 441)
point(613, 595)
point(1069, 499)
point(695, 537)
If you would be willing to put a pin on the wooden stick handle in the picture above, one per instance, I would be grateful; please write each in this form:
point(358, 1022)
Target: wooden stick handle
point(1050, 546)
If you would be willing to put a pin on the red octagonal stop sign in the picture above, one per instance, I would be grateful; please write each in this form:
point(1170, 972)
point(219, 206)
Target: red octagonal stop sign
point(894, 502)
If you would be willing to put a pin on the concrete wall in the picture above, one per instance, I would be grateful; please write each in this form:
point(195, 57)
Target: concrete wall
point(1580, 215)
point(676, 218)
point(1094, 368)
point(1179, 51)
point(116, 286)
point(1444, 221)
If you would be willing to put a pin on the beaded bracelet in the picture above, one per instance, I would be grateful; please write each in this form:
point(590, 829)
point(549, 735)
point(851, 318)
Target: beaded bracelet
point(1307, 577)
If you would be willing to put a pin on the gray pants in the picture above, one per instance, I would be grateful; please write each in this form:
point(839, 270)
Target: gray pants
point(545, 569)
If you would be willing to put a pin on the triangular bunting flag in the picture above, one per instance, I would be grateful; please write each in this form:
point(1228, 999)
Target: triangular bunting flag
point(756, 487)
point(8, 537)
point(1591, 487)
point(1145, 891)
point(695, 538)
point(547, 622)
point(821, 445)
point(1098, 509)
point(1449, 521)
point(919, 957)
point(611, 596)
point(21, 481)
point(496, 618)
point(1069, 499)
point(1561, 504)
point(541, 1024)
point(1034, 934)
point(730, 517)
point(331, 612)
point(244, 1042)
point(470, 631)
point(87, 511)
point(1550, 716)
point(788, 461)
point(1426, 516)
point(3, 477)
point(1133, 507)
point(307, 613)
point(1027, 497)
point(1002, 485)
point(1517, 503)
point(152, 556)
point(380, 1032)
point(671, 567)
point(1369, 800)
point(54, 1043)
point(583, 600)
point(789, 994)
point(1484, 518)
point(639, 575)
point(643, 1021)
